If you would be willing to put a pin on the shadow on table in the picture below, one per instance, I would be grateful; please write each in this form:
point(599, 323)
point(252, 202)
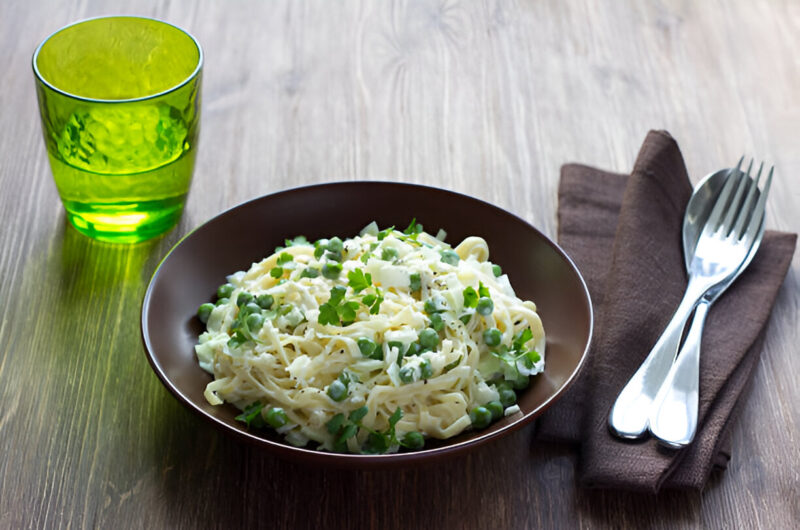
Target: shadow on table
point(211, 480)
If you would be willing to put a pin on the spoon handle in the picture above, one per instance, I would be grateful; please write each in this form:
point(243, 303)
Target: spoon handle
point(674, 415)
point(630, 414)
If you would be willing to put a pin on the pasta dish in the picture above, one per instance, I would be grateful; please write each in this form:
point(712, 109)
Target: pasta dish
point(370, 344)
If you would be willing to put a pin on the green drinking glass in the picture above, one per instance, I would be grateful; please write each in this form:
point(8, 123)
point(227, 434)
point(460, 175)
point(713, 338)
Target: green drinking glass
point(119, 99)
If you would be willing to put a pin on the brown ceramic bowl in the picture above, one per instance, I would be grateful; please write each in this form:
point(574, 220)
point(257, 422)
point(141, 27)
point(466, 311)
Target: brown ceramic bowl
point(189, 275)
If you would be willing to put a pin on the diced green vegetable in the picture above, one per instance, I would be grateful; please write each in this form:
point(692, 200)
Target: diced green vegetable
point(492, 337)
point(204, 311)
point(367, 346)
point(389, 254)
point(276, 417)
point(485, 306)
point(480, 417)
point(415, 282)
point(428, 338)
point(413, 440)
point(225, 290)
point(496, 409)
point(337, 390)
point(425, 369)
point(243, 298)
point(407, 374)
point(436, 322)
point(255, 322)
point(450, 257)
point(332, 270)
point(265, 301)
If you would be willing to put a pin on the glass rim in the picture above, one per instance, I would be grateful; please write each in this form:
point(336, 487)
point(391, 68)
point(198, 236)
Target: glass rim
point(51, 86)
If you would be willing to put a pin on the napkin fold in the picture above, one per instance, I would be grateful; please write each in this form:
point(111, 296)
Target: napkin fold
point(624, 234)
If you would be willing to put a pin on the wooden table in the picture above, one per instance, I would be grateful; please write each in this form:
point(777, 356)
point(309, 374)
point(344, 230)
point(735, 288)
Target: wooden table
point(488, 98)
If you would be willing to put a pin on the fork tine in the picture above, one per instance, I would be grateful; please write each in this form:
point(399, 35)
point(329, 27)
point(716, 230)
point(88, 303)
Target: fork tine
point(758, 212)
point(747, 207)
point(722, 199)
point(734, 211)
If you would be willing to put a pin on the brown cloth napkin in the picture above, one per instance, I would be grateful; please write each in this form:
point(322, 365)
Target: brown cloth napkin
point(624, 234)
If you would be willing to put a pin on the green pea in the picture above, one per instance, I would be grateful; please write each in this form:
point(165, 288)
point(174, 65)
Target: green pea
point(435, 304)
point(492, 337)
point(251, 307)
point(225, 290)
point(276, 272)
point(335, 245)
point(415, 348)
point(389, 254)
point(407, 374)
point(332, 270)
point(436, 321)
point(265, 301)
point(223, 301)
point(496, 270)
point(507, 396)
point(255, 322)
point(428, 338)
point(415, 282)
point(276, 417)
point(310, 272)
point(480, 417)
point(243, 298)
point(337, 390)
point(414, 440)
point(485, 306)
point(399, 346)
point(450, 257)
point(496, 409)
point(334, 256)
point(204, 311)
point(521, 382)
point(425, 369)
point(367, 346)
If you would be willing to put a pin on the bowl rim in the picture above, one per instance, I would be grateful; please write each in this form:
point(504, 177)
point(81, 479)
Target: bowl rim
point(316, 456)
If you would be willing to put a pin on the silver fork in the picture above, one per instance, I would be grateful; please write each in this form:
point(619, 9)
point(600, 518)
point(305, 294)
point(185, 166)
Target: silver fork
point(723, 245)
point(673, 418)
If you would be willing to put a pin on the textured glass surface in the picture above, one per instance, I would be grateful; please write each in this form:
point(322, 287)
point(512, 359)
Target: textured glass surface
point(120, 105)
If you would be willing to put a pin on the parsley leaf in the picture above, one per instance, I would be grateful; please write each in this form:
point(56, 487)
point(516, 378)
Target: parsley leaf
point(483, 290)
point(284, 258)
point(383, 233)
point(521, 338)
point(337, 295)
point(358, 280)
point(299, 240)
point(251, 415)
point(358, 414)
point(347, 312)
point(470, 297)
point(335, 423)
point(413, 228)
point(328, 314)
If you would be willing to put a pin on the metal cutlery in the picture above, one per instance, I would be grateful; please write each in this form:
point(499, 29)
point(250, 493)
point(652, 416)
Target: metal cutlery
point(673, 417)
point(722, 248)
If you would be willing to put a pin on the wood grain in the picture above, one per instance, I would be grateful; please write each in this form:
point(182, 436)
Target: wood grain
point(488, 98)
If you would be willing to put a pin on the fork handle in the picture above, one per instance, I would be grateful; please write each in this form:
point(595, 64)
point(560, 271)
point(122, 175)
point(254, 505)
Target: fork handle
point(630, 414)
point(673, 419)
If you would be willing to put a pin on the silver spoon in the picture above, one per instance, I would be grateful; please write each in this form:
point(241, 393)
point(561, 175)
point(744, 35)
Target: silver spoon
point(673, 418)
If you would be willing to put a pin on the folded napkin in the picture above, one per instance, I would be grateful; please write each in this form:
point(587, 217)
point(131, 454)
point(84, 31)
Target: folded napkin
point(624, 234)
